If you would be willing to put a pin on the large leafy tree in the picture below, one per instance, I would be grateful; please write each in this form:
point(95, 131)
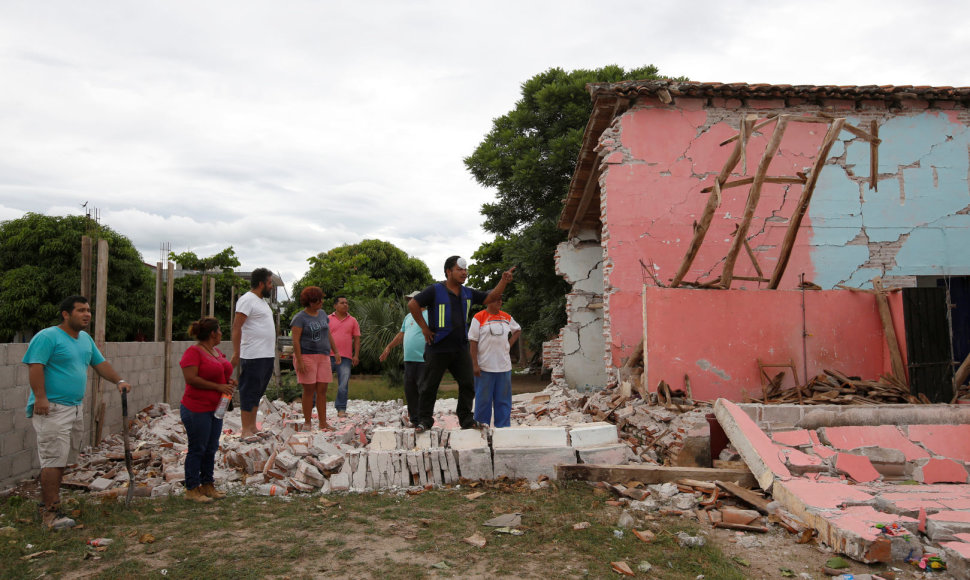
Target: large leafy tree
point(367, 269)
point(187, 300)
point(528, 157)
point(40, 265)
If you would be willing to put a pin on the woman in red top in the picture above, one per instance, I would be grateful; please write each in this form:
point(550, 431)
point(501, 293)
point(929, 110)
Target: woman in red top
point(207, 375)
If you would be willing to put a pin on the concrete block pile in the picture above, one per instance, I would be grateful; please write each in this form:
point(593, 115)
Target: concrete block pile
point(368, 450)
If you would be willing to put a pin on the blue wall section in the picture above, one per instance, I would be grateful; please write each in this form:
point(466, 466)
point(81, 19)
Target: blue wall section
point(924, 161)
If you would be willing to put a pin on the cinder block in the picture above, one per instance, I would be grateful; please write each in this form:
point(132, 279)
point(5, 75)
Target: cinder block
point(606, 455)
point(100, 484)
point(529, 437)
point(466, 439)
point(781, 415)
point(593, 435)
point(340, 482)
point(531, 463)
point(11, 442)
point(383, 438)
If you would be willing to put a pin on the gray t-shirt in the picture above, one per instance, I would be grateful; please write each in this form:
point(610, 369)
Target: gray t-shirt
point(315, 338)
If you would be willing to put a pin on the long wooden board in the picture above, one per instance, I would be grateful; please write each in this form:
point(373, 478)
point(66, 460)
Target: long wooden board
point(652, 473)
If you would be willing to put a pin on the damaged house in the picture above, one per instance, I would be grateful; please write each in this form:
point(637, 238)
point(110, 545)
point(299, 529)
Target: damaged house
point(738, 230)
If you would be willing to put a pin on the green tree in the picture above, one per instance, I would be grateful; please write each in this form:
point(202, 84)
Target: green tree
point(367, 269)
point(528, 157)
point(40, 265)
point(187, 301)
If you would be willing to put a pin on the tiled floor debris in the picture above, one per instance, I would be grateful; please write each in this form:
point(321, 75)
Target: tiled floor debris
point(878, 493)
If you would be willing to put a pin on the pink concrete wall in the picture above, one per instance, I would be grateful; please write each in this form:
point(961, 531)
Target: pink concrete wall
point(716, 336)
point(652, 197)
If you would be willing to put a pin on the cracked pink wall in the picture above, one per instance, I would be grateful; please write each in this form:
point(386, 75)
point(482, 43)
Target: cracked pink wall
point(716, 337)
point(661, 158)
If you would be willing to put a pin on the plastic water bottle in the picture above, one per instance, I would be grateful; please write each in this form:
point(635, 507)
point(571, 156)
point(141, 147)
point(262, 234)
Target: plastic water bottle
point(223, 405)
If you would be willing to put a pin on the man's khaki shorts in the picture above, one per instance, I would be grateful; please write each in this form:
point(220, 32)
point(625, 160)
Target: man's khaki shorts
point(59, 434)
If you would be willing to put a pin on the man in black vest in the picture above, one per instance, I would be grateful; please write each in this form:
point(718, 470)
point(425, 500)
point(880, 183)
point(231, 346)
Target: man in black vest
point(446, 335)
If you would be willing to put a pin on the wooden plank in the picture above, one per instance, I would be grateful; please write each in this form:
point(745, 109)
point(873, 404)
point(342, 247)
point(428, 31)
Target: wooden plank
point(961, 376)
point(169, 299)
point(727, 272)
point(591, 184)
point(713, 201)
point(803, 202)
point(100, 319)
point(754, 499)
point(652, 473)
point(783, 179)
point(885, 315)
point(754, 261)
point(874, 156)
point(158, 302)
point(768, 120)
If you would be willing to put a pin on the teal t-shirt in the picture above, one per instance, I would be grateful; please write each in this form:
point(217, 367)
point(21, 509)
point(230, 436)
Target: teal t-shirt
point(413, 339)
point(66, 360)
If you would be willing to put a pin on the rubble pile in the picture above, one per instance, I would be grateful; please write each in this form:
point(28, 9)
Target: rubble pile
point(371, 448)
point(835, 388)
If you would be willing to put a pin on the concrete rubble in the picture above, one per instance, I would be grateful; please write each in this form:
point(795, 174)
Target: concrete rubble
point(371, 449)
point(877, 493)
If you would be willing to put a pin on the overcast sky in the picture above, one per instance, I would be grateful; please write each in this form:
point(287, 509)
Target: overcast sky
point(285, 129)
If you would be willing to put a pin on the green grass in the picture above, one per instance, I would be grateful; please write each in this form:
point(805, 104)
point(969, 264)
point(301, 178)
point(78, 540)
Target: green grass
point(361, 535)
point(362, 387)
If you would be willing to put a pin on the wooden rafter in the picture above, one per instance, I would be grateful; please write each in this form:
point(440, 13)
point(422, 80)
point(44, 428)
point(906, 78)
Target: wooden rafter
point(727, 272)
point(796, 220)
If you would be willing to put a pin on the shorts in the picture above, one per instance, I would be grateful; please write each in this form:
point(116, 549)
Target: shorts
point(254, 375)
point(59, 434)
point(317, 370)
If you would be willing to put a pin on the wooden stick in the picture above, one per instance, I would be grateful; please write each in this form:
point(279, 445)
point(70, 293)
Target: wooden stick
point(870, 137)
point(749, 180)
point(754, 260)
point(727, 272)
point(874, 156)
point(963, 372)
point(713, 201)
point(169, 299)
point(768, 120)
point(899, 371)
point(796, 220)
point(100, 320)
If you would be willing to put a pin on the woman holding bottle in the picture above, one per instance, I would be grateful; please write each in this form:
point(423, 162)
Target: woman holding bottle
point(208, 382)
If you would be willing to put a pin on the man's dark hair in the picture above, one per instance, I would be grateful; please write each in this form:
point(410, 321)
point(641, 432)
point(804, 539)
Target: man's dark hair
point(337, 298)
point(68, 304)
point(450, 263)
point(259, 276)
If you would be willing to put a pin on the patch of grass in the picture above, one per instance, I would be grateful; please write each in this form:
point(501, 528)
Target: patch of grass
point(362, 387)
point(384, 535)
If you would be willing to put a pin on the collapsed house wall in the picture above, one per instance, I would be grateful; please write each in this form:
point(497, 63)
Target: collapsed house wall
point(657, 158)
point(717, 337)
point(140, 363)
point(582, 340)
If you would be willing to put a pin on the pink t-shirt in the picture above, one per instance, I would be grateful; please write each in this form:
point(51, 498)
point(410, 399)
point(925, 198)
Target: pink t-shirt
point(218, 370)
point(344, 332)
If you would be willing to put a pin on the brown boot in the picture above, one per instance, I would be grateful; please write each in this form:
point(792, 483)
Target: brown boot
point(54, 520)
point(209, 490)
point(198, 495)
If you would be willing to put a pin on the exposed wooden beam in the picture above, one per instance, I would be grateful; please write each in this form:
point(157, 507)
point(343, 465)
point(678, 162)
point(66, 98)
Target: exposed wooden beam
point(727, 272)
point(803, 201)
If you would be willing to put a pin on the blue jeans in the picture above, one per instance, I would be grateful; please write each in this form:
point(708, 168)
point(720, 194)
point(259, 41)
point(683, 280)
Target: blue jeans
point(203, 431)
point(343, 381)
point(494, 389)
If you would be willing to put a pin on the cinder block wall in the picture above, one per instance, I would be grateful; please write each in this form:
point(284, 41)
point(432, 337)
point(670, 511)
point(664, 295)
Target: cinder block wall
point(140, 363)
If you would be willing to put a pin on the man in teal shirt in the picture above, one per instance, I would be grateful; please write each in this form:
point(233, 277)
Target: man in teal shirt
point(413, 340)
point(58, 359)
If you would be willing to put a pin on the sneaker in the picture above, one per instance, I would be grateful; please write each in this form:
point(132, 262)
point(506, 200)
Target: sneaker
point(54, 520)
point(420, 428)
point(475, 425)
point(209, 490)
point(197, 495)
point(341, 414)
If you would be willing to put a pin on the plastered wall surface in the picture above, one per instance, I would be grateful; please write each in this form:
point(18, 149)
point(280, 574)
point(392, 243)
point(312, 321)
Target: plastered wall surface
point(580, 262)
point(140, 363)
point(657, 159)
point(716, 336)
